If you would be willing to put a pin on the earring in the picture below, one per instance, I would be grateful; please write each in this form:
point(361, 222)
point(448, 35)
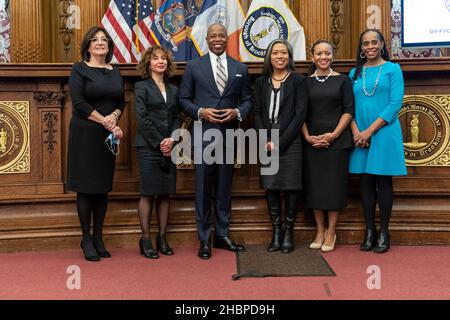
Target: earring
point(362, 55)
point(382, 51)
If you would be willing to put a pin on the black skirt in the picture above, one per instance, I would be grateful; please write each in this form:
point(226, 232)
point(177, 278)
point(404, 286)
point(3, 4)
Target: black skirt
point(157, 173)
point(289, 173)
point(326, 178)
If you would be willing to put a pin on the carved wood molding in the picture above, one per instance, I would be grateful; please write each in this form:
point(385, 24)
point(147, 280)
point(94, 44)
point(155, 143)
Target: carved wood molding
point(337, 22)
point(49, 98)
point(50, 120)
point(63, 25)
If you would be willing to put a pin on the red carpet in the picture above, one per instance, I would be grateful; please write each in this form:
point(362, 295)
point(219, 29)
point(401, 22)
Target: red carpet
point(406, 273)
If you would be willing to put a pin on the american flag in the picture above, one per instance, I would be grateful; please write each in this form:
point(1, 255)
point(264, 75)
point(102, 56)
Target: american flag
point(131, 36)
point(5, 27)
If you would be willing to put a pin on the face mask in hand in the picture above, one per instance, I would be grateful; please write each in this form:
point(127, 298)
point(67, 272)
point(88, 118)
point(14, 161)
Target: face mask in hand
point(113, 144)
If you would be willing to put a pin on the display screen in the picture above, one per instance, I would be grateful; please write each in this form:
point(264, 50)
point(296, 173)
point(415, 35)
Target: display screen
point(425, 23)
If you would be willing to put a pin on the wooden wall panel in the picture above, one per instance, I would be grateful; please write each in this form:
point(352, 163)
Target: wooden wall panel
point(27, 31)
point(314, 16)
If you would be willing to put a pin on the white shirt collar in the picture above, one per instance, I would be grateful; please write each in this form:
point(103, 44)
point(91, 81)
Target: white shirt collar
point(223, 56)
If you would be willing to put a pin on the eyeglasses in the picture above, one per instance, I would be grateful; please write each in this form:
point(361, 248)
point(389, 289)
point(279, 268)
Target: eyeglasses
point(97, 40)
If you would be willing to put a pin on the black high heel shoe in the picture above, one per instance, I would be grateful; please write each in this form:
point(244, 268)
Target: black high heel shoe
point(89, 251)
point(369, 242)
point(147, 249)
point(99, 246)
point(163, 246)
point(384, 242)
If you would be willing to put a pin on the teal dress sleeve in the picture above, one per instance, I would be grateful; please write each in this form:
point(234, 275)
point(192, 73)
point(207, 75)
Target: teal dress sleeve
point(397, 90)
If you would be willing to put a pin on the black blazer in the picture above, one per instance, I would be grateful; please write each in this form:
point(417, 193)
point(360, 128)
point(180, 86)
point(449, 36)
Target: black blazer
point(155, 118)
point(293, 107)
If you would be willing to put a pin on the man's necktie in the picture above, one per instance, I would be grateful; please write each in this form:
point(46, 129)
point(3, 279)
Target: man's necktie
point(221, 76)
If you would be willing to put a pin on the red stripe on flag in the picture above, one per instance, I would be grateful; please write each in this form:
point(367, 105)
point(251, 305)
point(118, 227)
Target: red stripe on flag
point(118, 29)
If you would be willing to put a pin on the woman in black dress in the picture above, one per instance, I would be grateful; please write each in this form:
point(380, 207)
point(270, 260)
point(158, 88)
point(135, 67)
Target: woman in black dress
point(280, 102)
point(156, 118)
point(96, 89)
point(328, 142)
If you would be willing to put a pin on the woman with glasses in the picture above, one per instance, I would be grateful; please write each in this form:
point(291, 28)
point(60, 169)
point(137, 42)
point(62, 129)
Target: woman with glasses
point(378, 154)
point(96, 90)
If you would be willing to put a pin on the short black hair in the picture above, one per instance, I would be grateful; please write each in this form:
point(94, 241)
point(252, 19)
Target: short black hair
point(84, 50)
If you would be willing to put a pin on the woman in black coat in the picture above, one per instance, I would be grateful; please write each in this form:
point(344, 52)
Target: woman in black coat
point(156, 118)
point(280, 102)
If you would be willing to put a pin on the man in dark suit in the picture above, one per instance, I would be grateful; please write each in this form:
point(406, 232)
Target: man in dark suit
point(215, 89)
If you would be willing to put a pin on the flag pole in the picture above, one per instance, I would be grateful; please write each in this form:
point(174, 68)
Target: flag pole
point(137, 26)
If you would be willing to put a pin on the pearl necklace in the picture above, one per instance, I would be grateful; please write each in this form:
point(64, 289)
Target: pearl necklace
point(376, 81)
point(326, 78)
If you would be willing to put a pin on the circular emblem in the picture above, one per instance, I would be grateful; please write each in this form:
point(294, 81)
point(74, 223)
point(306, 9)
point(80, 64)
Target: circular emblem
point(14, 139)
point(261, 28)
point(425, 130)
point(447, 4)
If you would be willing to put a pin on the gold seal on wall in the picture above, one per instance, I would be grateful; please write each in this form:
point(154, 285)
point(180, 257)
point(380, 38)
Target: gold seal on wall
point(425, 125)
point(14, 137)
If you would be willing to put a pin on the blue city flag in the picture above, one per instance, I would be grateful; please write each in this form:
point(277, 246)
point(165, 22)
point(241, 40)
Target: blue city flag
point(172, 26)
point(169, 29)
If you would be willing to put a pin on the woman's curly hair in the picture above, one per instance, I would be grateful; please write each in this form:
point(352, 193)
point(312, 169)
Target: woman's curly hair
point(144, 65)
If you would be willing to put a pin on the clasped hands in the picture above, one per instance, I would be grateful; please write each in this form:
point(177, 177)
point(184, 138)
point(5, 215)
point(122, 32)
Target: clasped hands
point(110, 123)
point(218, 116)
point(362, 139)
point(166, 146)
point(321, 141)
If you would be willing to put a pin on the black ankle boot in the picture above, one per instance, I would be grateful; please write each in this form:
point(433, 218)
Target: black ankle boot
point(99, 246)
point(370, 239)
point(88, 248)
point(163, 246)
point(383, 243)
point(147, 249)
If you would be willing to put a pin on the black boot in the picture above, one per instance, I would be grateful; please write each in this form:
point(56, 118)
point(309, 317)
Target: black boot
point(292, 199)
point(369, 240)
point(88, 249)
point(99, 246)
point(384, 242)
point(274, 206)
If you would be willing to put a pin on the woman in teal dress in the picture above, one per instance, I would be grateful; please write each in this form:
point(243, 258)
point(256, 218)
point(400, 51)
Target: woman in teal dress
point(378, 154)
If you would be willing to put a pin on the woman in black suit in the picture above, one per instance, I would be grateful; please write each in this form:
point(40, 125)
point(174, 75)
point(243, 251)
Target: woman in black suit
point(156, 118)
point(280, 102)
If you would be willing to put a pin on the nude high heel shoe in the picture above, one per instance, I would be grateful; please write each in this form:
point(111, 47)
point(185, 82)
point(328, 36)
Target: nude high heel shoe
point(325, 248)
point(317, 245)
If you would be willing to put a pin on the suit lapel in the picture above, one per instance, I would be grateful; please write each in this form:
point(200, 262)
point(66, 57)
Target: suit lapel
point(266, 92)
point(232, 71)
point(154, 87)
point(208, 72)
